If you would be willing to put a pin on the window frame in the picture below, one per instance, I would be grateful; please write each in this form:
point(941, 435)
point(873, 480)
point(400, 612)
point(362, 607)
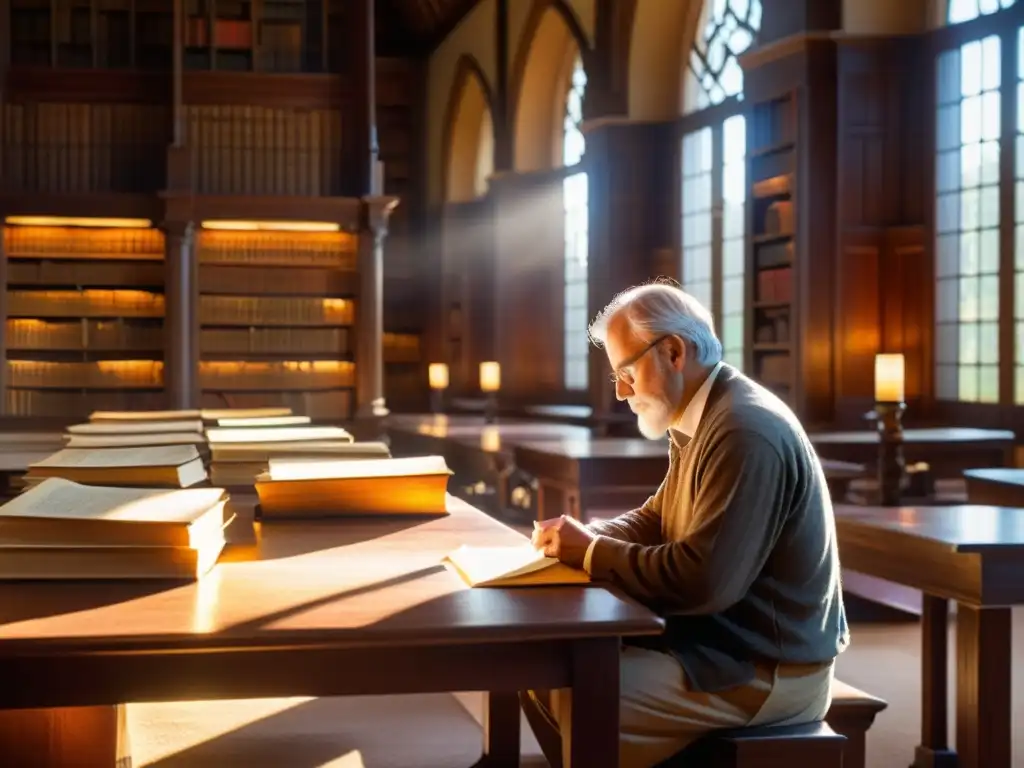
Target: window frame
point(1006, 25)
point(568, 171)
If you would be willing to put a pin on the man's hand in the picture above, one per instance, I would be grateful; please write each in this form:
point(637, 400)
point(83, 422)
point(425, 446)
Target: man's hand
point(565, 538)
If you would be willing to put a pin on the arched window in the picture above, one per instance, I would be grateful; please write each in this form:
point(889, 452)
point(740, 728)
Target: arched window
point(574, 195)
point(713, 168)
point(969, 264)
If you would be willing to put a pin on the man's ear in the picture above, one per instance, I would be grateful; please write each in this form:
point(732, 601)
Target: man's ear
point(676, 352)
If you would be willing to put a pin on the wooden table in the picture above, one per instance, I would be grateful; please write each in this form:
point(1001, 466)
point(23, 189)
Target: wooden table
point(347, 607)
point(971, 554)
point(1000, 486)
point(948, 450)
point(479, 454)
point(574, 477)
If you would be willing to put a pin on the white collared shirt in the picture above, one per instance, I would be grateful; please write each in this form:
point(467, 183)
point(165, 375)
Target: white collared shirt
point(687, 425)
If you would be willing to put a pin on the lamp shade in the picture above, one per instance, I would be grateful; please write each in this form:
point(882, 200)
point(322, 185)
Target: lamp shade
point(438, 375)
point(890, 378)
point(490, 377)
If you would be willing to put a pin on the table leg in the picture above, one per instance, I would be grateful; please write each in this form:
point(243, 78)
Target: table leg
point(983, 686)
point(591, 739)
point(501, 730)
point(934, 751)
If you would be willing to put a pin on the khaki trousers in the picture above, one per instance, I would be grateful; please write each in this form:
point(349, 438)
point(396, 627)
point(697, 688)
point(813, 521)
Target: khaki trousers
point(659, 713)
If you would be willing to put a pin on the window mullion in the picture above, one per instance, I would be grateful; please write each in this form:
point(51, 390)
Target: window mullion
point(1008, 216)
point(717, 184)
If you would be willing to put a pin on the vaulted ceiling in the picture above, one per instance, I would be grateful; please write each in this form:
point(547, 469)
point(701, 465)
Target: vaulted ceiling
point(414, 27)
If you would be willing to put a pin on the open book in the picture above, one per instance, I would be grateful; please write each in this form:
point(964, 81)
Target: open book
point(515, 566)
point(328, 487)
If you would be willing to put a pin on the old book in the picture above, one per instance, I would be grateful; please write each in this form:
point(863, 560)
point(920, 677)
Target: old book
point(265, 421)
point(85, 561)
point(514, 566)
point(144, 415)
point(272, 436)
point(62, 512)
point(136, 427)
point(325, 488)
point(165, 466)
point(248, 453)
point(128, 441)
point(216, 414)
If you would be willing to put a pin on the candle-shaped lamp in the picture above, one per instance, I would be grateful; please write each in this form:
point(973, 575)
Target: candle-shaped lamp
point(490, 383)
point(890, 377)
point(437, 374)
point(890, 391)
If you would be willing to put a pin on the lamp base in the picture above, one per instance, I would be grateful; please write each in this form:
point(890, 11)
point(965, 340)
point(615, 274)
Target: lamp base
point(490, 408)
point(891, 464)
point(437, 401)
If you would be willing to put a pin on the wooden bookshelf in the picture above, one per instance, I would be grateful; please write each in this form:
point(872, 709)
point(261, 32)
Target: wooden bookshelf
point(83, 319)
point(278, 36)
point(277, 312)
point(772, 343)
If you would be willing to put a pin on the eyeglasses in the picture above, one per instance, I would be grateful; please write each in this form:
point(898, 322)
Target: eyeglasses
point(625, 376)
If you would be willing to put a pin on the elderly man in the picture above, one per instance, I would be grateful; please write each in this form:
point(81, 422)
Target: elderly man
point(736, 549)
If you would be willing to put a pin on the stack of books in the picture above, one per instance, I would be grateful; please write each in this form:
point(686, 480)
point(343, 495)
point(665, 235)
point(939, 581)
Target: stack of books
point(60, 529)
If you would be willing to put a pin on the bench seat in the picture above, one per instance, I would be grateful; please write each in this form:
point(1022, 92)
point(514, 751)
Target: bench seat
point(813, 744)
point(852, 713)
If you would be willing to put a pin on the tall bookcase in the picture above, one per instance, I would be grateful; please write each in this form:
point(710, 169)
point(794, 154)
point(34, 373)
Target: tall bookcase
point(772, 152)
point(277, 313)
point(83, 316)
point(224, 35)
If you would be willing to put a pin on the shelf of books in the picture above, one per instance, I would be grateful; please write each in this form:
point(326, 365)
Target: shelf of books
point(277, 313)
point(773, 173)
point(83, 326)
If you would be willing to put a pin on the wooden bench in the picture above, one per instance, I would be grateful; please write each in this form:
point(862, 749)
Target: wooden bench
point(849, 717)
point(852, 713)
point(813, 744)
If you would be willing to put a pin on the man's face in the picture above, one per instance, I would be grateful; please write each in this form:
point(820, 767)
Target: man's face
point(646, 376)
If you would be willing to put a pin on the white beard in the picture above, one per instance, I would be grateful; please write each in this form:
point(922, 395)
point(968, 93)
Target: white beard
point(654, 421)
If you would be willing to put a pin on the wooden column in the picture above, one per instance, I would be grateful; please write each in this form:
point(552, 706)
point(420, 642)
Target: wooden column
point(632, 215)
point(3, 326)
point(179, 160)
point(362, 116)
point(181, 317)
point(370, 403)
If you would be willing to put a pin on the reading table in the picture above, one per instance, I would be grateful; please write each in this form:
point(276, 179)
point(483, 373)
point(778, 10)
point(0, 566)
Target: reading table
point(948, 450)
point(479, 454)
point(331, 608)
point(971, 554)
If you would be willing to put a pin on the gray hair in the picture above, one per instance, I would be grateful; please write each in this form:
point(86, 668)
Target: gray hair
point(660, 308)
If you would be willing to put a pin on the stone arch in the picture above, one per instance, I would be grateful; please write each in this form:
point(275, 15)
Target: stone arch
point(551, 41)
point(468, 143)
point(659, 48)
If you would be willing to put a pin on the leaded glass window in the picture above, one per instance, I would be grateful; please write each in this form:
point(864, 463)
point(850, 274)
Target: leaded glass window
point(959, 11)
point(574, 196)
point(729, 28)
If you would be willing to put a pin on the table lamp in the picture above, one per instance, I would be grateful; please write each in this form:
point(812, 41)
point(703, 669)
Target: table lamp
point(890, 379)
point(437, 373)
point(490, 383)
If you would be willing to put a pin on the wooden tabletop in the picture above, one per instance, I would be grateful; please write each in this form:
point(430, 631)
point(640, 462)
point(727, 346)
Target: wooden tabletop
point(598, 448)
point(971, 553)
point(936, 435)
point(1007, 476)
point(357, 583)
